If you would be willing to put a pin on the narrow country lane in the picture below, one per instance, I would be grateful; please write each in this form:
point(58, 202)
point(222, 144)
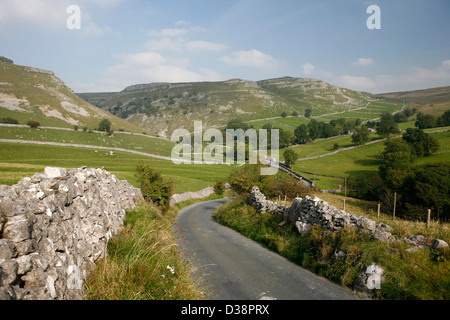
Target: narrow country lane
point(233, 267)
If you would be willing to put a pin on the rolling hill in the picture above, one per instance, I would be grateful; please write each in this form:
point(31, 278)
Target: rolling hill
point(28, 93)
point(431, 101)
point(161, 108)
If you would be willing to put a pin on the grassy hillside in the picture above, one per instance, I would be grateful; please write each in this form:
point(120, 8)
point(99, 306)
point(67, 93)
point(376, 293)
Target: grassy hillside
point(430, 101)
point(134, 142)
point(28, 93)
point(163, 107)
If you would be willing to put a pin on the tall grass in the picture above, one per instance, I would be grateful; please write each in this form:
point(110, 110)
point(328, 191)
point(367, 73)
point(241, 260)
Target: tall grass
point(143, 262)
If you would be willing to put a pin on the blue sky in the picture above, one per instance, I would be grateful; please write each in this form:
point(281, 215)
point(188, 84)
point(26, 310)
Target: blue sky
point(125, 42)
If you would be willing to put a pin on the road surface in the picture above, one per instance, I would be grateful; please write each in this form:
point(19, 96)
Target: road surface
point(232, 267)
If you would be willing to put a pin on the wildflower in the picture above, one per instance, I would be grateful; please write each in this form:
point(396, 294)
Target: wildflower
point(172, 269)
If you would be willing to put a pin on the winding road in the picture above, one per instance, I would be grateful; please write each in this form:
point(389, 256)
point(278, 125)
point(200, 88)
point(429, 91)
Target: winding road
point(232, 267)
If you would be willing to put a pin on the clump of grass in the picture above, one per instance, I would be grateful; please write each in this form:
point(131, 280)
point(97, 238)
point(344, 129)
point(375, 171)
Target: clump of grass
point(143, 262)
point(408, 275)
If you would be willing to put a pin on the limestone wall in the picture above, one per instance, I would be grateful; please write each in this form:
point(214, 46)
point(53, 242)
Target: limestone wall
point(54, 226)
point(306, 212)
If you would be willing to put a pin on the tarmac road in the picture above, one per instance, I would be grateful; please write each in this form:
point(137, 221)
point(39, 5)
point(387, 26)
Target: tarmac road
point(232, 267)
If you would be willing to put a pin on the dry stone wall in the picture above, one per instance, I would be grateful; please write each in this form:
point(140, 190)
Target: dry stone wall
point(306, 212)
point(54, 226)
point(309, 211)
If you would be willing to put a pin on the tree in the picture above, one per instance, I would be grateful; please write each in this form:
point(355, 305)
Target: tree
point(308, 113)
point(313, 129)
point(237, 124)
point(104, 125)
point(396, 159)
point(360, 135)
point(425, 121)
point(284, 114)
point(301, 134)
point(422, 143)
point(386, 127)
point(290, 156)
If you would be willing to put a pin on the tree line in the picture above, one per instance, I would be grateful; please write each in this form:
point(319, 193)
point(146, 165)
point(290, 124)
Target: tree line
point(413, 189)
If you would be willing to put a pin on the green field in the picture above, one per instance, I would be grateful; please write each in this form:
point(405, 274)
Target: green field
point(362, 161)
point(19, 160)
point(136, 142)
point(292, 121)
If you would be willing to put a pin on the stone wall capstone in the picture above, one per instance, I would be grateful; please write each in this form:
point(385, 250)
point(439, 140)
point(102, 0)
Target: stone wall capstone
point(54, 226)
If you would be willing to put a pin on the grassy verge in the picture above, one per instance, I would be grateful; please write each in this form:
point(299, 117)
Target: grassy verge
point(408, 275)
point(143, 262)
point(141, 259)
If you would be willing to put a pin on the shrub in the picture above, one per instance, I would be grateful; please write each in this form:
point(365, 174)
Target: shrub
point(153, 186)
point(9, 120)
point(219, 188)
point(243, 179)
point(33, 124)
point(283, 185)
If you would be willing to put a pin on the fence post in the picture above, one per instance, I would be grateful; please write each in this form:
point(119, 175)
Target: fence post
point(428, 218)
point(378, 212)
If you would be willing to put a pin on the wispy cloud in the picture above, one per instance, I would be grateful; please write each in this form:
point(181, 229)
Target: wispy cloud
point(147, 67)
point(251, 58)
point(363, 62)
point(168, 32)
point(48, 14)
point(201, 45)
point(417, 78)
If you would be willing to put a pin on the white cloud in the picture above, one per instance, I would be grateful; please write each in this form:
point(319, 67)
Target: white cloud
point(363, 62)
point(169, 32)
point(355, 83)
point(308, 69)
point(50, 14)
point(251, 58)
point(47, 13)
point(107, 3)
point(418, 78)
point(182, 23)
point(201, 45)
point(147, 67)
point(165, 44)
point(446, 64)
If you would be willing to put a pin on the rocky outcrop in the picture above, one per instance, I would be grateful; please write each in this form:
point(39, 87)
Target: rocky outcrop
point(54, 226)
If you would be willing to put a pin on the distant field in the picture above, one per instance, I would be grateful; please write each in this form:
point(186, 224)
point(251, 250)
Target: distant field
point(359, 162)
point(140, 143)
point(292, 121)
point(18, 161)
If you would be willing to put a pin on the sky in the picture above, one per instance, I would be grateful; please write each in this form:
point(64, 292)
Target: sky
point(110, 44)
